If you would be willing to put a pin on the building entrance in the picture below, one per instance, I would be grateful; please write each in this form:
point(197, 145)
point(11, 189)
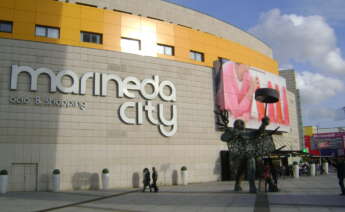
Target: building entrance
point(24, 177)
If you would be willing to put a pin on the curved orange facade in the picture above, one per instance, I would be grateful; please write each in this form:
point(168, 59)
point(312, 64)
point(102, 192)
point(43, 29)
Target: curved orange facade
point(74, 18)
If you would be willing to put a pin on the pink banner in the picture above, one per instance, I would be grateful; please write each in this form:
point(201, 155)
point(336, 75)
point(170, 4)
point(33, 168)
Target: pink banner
point(235, 93)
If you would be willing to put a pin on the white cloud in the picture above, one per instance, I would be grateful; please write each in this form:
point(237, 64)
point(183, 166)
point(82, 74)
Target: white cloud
point(314, 88)
point(319, 114)
point(333, 10)
point(306, 39)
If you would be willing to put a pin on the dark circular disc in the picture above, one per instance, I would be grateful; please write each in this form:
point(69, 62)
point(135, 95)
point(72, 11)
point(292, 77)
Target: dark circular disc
point(266, 95)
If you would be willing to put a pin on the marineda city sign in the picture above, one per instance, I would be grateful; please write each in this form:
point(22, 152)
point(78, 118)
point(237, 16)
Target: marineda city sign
point(128, 87)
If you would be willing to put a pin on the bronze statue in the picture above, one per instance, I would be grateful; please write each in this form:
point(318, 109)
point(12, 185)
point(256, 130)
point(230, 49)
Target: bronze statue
point(246, 145)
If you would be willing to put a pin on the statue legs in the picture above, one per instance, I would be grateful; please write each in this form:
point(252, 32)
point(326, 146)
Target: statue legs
point(242, 164)
point(239, 167)
point(251, 169)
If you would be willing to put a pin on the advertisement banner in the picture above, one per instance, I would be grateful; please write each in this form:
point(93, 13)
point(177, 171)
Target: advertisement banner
point(235, 92)
point(334, 140)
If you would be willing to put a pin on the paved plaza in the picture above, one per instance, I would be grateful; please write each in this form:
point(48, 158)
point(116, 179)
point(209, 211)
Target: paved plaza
point(320, 193)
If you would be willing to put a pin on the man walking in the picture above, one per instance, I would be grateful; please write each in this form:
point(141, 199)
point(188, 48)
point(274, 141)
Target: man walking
point(146, 179)
point(154, 179)
point(340, 166)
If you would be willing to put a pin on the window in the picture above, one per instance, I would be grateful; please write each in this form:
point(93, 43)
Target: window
point(49, 32)
point(130, 45)
point(6, 26)
point(165, 49)
point(198, 56)
point(91, 37)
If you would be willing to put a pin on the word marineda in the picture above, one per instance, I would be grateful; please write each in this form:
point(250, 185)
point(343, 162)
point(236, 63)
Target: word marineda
point(129, 87)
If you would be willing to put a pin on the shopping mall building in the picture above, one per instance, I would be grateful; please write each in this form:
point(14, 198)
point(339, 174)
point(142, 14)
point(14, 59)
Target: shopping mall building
point(122, 85)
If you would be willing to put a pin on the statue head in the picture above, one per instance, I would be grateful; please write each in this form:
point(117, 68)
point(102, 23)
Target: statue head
point(239, 124)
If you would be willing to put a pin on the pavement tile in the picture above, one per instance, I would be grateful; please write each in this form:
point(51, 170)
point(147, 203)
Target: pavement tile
point(307, 194)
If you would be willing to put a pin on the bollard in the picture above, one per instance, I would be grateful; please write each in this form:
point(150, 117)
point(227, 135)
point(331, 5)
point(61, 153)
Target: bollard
point(325, 167)
point(312, 169)
point(184, 175)
point(296, 171)
point(3, 181)
point(105, 179)
point(56, 180)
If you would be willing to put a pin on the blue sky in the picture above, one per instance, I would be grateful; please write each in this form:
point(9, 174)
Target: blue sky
point(306, 35)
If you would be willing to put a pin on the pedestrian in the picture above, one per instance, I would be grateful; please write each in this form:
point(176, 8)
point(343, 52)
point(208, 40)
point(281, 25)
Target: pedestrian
point(146, 179)
point(267, 175)
point(321, 168)
point(154, 179)
point(340, 166)
point(274, 174)
point(318, 171)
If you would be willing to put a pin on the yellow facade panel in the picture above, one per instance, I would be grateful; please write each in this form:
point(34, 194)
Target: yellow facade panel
point(112, 48)
point(210, 58)
point(182, 53)
point(182, 42)
point(9, 4)
point(24, 16)
point(147, 29)
point(47, 40)
point(24, 29)
point(48, 20)
point(6, 35)
point(195, 36)
point(49, 7)
point(92, 26)
point(73, 18)
point(165, 28)
point(28, 5)
point(70, 22)
point(112, 29)
point(181, 31)
point(70, 34)
point(6, 14)
point(70, 10)
point(147, 24)
point(129, 32)
point(92, 14)
point(212, 48)
point(24, 37)
point(207, 37)
point(224, 46)
point(111, 17)
point(198, 46)
point(130, 21)
point(73, 43)
point(91, 45)
point(165, 39)
point(111, 40)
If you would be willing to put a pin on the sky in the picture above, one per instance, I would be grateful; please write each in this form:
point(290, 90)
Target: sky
point(305, 35)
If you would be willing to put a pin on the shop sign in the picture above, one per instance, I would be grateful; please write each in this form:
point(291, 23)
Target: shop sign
point(130, 87)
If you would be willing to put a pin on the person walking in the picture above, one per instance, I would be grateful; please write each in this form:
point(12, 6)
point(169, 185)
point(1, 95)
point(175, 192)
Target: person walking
point(340, 166)
point(154, 180)
point(267, 175)
point(146, 179)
